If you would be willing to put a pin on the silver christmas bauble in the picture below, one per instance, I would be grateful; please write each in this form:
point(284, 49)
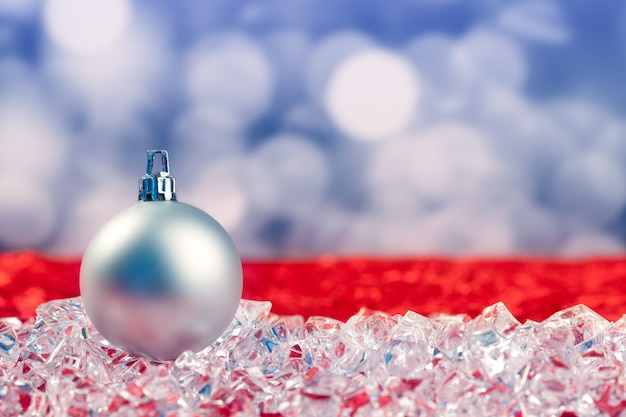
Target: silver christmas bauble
point(161, 277)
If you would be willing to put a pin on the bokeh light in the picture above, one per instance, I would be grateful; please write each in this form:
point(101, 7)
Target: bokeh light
point(85, 27)
point(28, 213)
point(286, 176)
point(231, 72)
point(417, 128)
point(372, 95)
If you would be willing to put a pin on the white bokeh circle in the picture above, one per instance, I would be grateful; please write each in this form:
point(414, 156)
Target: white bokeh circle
point(38, 147)
point(84, 27)
point(286, 175)
point(437, 165)
point(219, 191)
point(28, 213)
point(232, 72)
point(372, 95)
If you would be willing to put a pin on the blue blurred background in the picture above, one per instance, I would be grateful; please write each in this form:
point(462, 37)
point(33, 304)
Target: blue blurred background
point(397, 127)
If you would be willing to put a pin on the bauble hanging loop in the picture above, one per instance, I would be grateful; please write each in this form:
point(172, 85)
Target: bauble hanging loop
point(160, 277)
point(159, 186)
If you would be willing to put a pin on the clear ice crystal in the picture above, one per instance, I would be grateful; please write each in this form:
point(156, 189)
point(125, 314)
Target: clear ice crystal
point(571, 364)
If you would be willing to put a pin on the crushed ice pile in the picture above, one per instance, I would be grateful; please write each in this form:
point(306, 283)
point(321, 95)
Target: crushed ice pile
point(571, 364)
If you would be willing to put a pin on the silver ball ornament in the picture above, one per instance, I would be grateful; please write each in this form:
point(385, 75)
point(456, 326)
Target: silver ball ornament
point(161, 277)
